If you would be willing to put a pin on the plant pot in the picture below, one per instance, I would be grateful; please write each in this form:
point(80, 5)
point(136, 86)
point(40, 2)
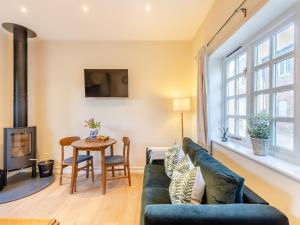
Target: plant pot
point(93, 133)
point(260, 146)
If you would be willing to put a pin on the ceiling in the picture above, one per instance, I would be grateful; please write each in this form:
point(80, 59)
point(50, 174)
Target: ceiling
point(107, 19)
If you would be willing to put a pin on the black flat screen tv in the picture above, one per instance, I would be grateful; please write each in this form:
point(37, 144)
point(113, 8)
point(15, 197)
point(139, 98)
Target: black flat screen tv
point(106, 82)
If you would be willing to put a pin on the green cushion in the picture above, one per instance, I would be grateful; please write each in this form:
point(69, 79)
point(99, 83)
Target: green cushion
point(222, 185)
point(200, 156)
point(155, 176)
point(189, 147)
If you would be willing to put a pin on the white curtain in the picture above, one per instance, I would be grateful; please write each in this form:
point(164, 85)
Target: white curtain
point(202, 117)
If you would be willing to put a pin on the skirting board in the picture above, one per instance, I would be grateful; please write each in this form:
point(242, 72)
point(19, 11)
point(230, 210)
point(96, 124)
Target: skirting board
point(133, 169)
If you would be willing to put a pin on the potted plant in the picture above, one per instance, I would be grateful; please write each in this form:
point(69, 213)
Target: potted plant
point(94, 127)
point(259, 129)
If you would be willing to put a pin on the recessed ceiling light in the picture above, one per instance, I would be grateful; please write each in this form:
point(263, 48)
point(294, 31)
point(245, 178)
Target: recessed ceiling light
point(85, 8)
point(23, 9)
point(148, 7)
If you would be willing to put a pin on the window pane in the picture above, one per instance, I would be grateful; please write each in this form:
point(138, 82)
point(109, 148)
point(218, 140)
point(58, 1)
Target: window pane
point(231, 125)
point(231, 69)
point(242, 63)
point(284, 102)
point(242, 127)
point(242, 84)
point(284, 72)
point(262, 104)
point(263, 52)
point(262, 79)
point(242, 106)
point(231, 107)
point(284, 41)
point(230, 88)
point(284, 135)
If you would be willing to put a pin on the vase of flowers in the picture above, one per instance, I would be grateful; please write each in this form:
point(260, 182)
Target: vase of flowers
point(94, 127)
point(259, 129)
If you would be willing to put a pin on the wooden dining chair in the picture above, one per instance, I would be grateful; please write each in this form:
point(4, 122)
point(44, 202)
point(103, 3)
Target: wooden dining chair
point(114, 161)
point(65, 162)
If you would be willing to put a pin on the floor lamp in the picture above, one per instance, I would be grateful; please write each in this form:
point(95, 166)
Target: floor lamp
point(181, 105)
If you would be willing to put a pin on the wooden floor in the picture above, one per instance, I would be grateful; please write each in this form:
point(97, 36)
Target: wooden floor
point(120, 205)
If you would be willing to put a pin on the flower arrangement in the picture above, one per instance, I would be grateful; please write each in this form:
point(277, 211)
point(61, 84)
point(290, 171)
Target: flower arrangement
point(92, 124)
point(94, 127)
point(259, 126)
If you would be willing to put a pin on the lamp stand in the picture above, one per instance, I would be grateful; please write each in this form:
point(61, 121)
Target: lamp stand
point(181, 126)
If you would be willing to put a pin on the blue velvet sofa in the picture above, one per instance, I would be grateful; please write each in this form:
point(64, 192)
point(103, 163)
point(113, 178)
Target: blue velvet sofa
point(157, 209)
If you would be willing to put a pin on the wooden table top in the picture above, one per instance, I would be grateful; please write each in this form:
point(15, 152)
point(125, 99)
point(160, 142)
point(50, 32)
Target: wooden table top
point(95, 145)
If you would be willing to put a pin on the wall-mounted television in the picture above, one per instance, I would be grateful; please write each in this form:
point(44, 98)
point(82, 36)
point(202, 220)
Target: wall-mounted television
point(106, 82)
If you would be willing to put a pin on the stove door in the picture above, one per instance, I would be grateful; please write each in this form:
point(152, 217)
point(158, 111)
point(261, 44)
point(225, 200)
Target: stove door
point(19, 147)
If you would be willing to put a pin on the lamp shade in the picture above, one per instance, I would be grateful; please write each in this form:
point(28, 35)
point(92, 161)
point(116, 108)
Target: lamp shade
point(181, 104)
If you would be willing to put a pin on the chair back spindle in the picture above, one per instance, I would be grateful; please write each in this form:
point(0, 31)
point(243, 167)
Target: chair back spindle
point(126, 148)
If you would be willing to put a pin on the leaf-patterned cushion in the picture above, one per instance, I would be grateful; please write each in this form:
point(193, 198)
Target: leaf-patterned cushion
point(172, 157)
point(187, 184)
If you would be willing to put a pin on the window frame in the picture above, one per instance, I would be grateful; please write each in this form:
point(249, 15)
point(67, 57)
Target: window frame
point(250, 49)
point(236, 96)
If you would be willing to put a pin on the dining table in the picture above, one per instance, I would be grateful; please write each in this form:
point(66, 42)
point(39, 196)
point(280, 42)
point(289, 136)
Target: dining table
point(90, 146)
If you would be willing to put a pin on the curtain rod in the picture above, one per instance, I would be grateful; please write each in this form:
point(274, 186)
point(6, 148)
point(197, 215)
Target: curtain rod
point(244, 10)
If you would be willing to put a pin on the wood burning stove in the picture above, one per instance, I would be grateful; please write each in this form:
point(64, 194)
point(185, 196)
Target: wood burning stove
point(20, 141)
point(20, 149)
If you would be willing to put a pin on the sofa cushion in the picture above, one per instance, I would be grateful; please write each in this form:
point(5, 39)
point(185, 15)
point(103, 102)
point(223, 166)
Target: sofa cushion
point(200, 156)
point(156, 195)
point(155, 176)
point(172, 157)
point(222, 185)
point(189, 147)
point(187, 188)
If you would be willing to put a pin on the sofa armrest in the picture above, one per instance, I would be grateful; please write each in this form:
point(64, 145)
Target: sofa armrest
point(230, 214)
point(155, 150)
point(250, 197)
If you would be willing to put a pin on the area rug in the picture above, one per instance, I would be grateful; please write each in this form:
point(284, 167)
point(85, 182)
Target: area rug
point(22, 185)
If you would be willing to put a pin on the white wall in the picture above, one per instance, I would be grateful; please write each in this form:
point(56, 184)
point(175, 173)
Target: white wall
point(158, 71)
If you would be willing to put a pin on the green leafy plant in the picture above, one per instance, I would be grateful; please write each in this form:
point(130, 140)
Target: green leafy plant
point(259, 126)
point(92, 124)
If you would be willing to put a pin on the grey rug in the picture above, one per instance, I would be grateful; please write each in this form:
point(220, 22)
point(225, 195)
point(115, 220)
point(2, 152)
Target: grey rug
point(22, 185)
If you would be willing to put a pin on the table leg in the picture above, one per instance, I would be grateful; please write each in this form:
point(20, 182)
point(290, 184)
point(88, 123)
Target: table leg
point(75, 153)
point(112, 153)
point(103, 168)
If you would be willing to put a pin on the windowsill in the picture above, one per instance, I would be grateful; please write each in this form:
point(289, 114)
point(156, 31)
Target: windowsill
point(283, 167)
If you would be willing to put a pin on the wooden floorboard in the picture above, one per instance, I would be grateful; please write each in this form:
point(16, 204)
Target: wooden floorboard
point(120, 205)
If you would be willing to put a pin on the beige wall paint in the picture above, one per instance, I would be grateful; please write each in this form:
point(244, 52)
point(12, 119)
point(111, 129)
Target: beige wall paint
point(158, 71)
point(216, 17)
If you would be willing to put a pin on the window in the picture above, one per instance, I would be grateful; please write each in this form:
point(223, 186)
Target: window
point(274, 84)
point(236, 90)
point(264, 84)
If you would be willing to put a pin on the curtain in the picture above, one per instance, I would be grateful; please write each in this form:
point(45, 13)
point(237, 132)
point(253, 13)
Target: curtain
point(202, 117)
